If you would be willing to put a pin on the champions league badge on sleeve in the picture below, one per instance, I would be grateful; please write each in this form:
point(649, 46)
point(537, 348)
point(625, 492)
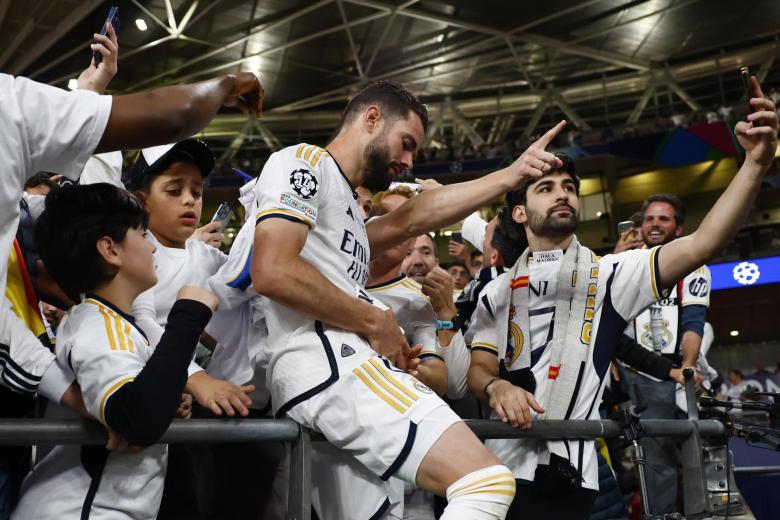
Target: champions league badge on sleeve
point(303, 183)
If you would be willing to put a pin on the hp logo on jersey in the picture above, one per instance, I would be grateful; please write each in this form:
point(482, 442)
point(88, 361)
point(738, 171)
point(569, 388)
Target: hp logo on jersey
point(699, 287)
point(303, 183)
point(746, 273)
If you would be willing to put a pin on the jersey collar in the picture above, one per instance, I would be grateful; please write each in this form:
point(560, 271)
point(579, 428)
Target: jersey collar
point(351, 187)
point(114, 308)
point(385, 284)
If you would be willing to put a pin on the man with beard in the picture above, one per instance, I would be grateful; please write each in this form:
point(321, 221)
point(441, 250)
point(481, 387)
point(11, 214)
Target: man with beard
point(336, 360)
point(673, 328)
point(554, 320)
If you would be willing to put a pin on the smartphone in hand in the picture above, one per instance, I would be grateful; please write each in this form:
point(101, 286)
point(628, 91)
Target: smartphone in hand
point(223, 215)
point(624, 226)
point(113, 17)
point(744, 73)
point(457, 236)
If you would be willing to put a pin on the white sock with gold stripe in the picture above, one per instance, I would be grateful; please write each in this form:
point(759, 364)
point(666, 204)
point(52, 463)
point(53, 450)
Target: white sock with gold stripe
point(484, 494)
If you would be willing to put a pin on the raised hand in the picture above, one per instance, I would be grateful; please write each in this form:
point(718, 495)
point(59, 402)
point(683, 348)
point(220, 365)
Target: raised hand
point(247, 94)
point(758, 136)
point(536, 161)
point(97, 78)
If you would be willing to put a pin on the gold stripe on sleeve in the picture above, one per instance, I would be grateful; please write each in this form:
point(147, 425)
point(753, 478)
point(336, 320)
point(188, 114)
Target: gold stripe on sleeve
point(299, 151)
point(317, 156)
point(111, 391)
point(109, 329)
point(120, 334)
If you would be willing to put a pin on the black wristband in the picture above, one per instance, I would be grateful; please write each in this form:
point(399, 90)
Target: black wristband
point(484, 390)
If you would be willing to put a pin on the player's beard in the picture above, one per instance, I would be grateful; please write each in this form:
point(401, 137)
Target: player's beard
point(552, 224)
point(377, 158)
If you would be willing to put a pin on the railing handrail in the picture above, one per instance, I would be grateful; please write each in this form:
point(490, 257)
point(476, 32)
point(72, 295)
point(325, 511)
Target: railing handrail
point(21, 432)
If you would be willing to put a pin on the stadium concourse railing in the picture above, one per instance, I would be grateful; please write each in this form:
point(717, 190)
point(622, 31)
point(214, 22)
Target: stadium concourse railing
point(25, 432)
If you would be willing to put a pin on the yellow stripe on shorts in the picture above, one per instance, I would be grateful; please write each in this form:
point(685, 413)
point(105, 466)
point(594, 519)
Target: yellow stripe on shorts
point(380, 381)
point(393, 381)
point(398, 408)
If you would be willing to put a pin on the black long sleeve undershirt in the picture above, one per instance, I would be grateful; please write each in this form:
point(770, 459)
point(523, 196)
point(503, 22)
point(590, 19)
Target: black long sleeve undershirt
point(634, 355)
point(142, 409)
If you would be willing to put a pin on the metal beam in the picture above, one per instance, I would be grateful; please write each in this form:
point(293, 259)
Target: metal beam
point(569, 111)
point(468, 130)
point(537, 115)
point(260, 27)
point(147, 12)
point(636, 113)
point(355, 55)
point(766, 64)
point(23, 33)
point(438, 119)
point(4, 5)
point(677, 89)
point(238, 141)
point(271, 141)
point(386, 31)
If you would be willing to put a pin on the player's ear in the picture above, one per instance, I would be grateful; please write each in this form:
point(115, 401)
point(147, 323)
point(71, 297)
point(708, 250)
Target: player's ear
point(518, 214)
point(143, 197)
point(108, 251)
point(371, 119)
point(678, 231)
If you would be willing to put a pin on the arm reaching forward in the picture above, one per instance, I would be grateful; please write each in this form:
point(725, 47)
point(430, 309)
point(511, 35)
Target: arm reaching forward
point(440, 207)
point(680, 257)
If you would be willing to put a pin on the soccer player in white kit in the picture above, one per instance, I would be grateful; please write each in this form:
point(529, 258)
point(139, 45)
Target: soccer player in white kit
point(615, 288)
point(336, 361)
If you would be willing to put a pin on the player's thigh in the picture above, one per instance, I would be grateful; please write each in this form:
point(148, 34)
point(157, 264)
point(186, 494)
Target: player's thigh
point(454, 455)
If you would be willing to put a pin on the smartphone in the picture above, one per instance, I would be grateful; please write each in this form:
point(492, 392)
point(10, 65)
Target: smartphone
point(411, 185)
point(457, 236)
point(744, 73)
point(624, 226)
point(113, 17)
point(223, 215)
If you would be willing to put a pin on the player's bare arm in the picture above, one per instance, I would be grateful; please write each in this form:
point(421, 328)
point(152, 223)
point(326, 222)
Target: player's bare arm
point(441, 207)
point(169, 114)
point(511, 403)
point(680, 257)
point(279, 273)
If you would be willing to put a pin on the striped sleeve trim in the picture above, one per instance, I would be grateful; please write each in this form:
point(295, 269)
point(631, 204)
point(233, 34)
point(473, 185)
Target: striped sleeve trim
point(283, 214)
point(111, 391)
point(14, 376)
point(429, 354)
point(485, 347)
point(655, 275)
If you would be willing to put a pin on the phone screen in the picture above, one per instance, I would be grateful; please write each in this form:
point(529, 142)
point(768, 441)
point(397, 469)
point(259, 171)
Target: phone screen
point(624, 226)
point(223, 214)
point(457, 237)
point(113, 17)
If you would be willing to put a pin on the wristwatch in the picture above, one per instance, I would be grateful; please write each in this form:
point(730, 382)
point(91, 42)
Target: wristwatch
point(453, 324)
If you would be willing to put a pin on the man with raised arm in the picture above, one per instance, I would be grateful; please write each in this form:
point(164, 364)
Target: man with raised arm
point(547, 329)
point(336, 361)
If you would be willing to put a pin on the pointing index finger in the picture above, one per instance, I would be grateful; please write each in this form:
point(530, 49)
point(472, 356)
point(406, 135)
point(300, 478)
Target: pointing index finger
point(544, 141)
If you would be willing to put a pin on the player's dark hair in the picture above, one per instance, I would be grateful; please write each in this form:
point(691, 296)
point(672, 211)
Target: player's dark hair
point(75, 218)
point(393, 99)
point(456, 263)
point(668, 198)
point(475, 253)
point(519, 197)
point(41, 179)
point(509, 237)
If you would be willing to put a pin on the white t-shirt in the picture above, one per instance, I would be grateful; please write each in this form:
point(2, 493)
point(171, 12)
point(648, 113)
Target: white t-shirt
point(304, 184)
point(665, 314)
point(626, 283)
point(105, 350)
point(43, 128)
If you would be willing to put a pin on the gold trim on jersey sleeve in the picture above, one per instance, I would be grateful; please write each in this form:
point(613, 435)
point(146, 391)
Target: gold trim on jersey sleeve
point(317, 156)
point(299, 151)
point(109, 328)
point(111, 391)
point(653, 274)
point(119, 333)
point(279, 211)
point(487, 346)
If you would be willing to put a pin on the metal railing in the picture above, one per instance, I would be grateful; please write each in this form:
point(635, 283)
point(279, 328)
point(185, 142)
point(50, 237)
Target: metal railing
point(25, 432)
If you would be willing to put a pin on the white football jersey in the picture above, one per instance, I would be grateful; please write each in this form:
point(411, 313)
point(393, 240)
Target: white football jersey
point(665, 314)
point(105, 350)
point(304, 184)
point(625, 284)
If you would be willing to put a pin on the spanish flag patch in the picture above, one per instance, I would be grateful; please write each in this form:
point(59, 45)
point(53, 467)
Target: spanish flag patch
point(552, 373)
point(520, 281)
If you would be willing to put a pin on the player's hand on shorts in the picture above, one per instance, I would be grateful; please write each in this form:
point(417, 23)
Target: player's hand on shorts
point(184, 411)
point(512, 404)
point(192, 292)
point(119, 444)
point(386, 338)
point(412, 360)
point(220, 396)
point(536, 161)
point(211, 234)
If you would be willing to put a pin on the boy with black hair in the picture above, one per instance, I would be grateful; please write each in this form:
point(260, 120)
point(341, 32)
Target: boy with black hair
point(91, 239)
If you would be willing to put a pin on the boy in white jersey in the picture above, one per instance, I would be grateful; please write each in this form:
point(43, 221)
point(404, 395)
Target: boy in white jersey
point(554, 320)
point(91, 239)
point(324, 369)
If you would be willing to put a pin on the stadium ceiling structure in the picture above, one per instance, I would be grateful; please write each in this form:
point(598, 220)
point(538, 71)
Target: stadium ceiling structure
point(490, 70)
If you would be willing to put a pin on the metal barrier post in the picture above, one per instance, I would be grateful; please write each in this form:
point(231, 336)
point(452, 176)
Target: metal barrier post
point(299, 497)
point(694, 481)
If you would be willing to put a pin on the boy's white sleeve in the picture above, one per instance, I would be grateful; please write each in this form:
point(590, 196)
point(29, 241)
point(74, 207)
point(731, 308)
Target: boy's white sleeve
point(104, 358)
point(458, 360)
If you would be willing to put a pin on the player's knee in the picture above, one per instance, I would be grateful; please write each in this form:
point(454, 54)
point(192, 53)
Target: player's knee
point(485, 494)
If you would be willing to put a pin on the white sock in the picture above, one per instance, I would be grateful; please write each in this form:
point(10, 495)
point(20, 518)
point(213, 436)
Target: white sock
point(484, 494)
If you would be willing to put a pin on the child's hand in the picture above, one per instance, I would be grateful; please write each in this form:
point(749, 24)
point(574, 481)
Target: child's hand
point(218, 395)
point(184, 411)
point(193, 292)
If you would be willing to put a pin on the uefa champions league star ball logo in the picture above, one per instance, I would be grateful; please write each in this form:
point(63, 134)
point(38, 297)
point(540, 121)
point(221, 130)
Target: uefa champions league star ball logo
point(746, 273)
point(303, 183)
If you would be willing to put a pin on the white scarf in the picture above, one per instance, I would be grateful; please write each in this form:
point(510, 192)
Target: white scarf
point(574, 311)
